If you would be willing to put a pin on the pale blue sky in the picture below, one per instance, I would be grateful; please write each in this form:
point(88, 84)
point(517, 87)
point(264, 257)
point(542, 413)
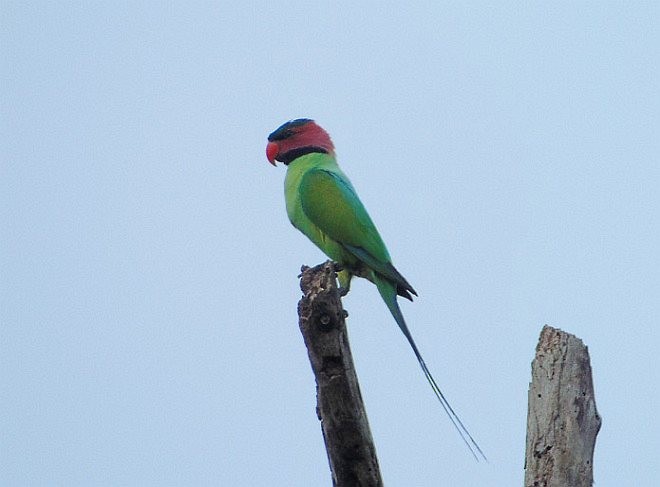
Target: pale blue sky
point(508, 154)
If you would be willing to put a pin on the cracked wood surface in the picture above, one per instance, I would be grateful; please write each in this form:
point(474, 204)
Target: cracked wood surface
point(562, 420)
point(348, 442)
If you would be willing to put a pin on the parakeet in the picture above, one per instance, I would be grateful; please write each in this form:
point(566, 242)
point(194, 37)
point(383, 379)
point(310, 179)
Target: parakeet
point(322, 203)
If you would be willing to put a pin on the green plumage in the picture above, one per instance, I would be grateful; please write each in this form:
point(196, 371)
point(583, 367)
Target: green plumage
point(322, 203)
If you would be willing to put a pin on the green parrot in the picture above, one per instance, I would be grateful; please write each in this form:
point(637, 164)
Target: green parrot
point(322, 203)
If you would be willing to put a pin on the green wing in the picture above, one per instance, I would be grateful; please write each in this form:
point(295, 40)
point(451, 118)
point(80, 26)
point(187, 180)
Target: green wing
point(330, 202)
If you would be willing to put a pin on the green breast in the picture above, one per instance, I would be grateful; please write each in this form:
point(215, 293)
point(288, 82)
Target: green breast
point(294, 174)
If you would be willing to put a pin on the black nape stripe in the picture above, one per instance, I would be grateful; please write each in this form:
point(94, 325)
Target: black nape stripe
point(286, 130)
point(294, 154)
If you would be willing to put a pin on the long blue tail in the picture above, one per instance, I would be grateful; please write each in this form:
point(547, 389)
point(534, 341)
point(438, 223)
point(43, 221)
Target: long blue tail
point(387, 291)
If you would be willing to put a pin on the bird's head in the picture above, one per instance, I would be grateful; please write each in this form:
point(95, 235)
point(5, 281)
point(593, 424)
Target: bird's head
point(297, 138)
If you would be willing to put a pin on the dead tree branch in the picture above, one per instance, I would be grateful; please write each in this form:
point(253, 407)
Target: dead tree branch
point(562, 421)
point(348, 442)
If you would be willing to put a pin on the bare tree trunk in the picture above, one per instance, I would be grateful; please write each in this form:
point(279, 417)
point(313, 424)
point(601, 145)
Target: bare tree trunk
point(348, 441)
point(562, 421)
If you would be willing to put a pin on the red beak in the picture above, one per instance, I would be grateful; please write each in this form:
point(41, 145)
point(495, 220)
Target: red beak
point(271, 152)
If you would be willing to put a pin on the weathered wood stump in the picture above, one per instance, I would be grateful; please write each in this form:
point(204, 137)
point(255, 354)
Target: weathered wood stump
point(348, 441)
point(562, 421)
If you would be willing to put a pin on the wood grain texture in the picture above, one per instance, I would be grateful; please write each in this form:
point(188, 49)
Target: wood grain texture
point(562, 420)
point(348, 441)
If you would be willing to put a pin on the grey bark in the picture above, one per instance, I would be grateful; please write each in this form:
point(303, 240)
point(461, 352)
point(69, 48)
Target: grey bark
point(348, 442)
point(562, 420)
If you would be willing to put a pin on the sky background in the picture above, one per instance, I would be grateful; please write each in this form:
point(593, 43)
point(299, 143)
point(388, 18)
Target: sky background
point(508, 154)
